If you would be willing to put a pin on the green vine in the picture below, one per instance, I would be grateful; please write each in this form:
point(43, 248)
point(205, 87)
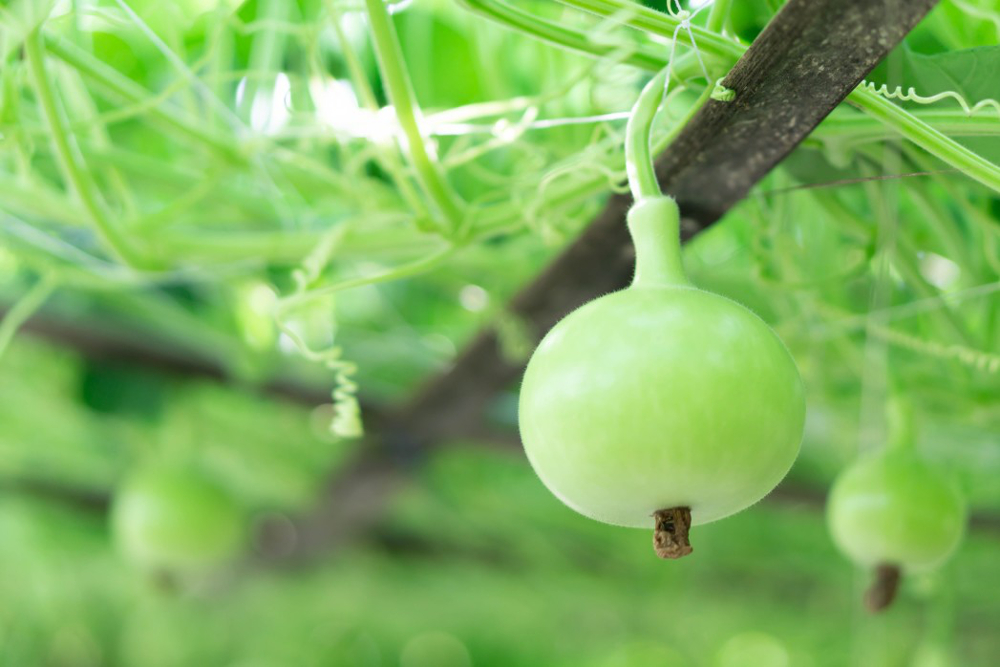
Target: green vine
point(25, 307)
point(911, 96)
point(868, 100)
point(397, 81)
point(71, 162)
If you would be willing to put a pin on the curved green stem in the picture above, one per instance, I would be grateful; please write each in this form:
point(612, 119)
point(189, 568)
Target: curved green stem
point(71, 162)
point(644, 18)
point(717, 15)
point(397, 82)
point(925, 136)
point(638, 160)
point(498, 218)
point(565, 36)
point(25, 308)
point(123, 88)
point(414, 268)
point(849, 127)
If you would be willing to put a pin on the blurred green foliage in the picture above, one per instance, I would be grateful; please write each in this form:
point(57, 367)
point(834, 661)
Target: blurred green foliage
point(242, 144)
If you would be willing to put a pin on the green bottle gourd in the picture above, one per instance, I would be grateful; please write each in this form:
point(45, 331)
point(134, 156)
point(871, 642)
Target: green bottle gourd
point(894, 513)
point(661, 404)
point(175, 522)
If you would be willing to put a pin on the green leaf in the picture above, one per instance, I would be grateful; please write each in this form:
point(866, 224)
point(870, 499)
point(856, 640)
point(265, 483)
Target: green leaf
point(969, 72)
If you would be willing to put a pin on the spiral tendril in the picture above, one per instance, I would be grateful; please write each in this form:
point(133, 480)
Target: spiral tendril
point(721, 93)
point(986, 362)
point(911, 95)
point(346, 421)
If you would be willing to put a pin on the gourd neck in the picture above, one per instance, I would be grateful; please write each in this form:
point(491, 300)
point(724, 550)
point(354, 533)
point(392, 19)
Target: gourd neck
point(654, 223)
point(901, 427)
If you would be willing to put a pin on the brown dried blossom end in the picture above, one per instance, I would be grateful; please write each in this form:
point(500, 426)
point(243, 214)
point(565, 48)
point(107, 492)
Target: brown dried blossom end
point(883, 590)
point(670, 534)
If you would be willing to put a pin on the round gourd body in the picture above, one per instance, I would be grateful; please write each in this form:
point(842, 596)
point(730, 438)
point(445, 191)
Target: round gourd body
point(176, 521)
point(892, 508)
point(660, 397)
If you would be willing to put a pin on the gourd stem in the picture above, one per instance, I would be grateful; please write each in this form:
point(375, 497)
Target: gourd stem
point(654, 221)
point(654, 224)
point(165, 581)
point(670, 534)
point(638, 159)
point(883, 590)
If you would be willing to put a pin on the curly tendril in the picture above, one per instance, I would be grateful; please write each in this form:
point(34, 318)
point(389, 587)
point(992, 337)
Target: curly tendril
point(346, 422)
point(721, 93)
point(347, 412)
point(985, 362)
point(911, 95)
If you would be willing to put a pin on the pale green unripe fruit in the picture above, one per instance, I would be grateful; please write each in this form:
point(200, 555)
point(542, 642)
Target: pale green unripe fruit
point(175, 521)
point(892, 508)
point(660, 395)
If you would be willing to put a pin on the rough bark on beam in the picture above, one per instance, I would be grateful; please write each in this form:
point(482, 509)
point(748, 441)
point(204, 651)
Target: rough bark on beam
point(808, 59)
point(801, 66)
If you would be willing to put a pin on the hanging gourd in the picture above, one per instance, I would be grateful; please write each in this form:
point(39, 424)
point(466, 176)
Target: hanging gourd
point(662, 404)
point(175, 522)
point(894, 513)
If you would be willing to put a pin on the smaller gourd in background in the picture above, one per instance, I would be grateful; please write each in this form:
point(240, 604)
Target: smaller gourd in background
point(172, 522)
point(893, 512)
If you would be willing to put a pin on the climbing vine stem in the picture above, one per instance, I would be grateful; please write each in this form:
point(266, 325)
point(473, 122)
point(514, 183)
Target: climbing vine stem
point(25, 307)
point(70, 160)
point(717, 15)
point(396, 79)
point(928, 138)
point(651, 20)
point(868, 100)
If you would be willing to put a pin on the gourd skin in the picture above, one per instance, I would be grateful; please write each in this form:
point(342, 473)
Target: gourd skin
point(175, 520)
point(659, 396)
point(893, 508)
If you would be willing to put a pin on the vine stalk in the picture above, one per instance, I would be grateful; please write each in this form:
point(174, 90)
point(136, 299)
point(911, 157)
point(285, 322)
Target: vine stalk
point(70, 161)
point(400, 89)
point(726, 50)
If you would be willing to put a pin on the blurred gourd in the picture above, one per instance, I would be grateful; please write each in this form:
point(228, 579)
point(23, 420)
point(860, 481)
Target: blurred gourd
point(895, 512)
point(175, 522)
